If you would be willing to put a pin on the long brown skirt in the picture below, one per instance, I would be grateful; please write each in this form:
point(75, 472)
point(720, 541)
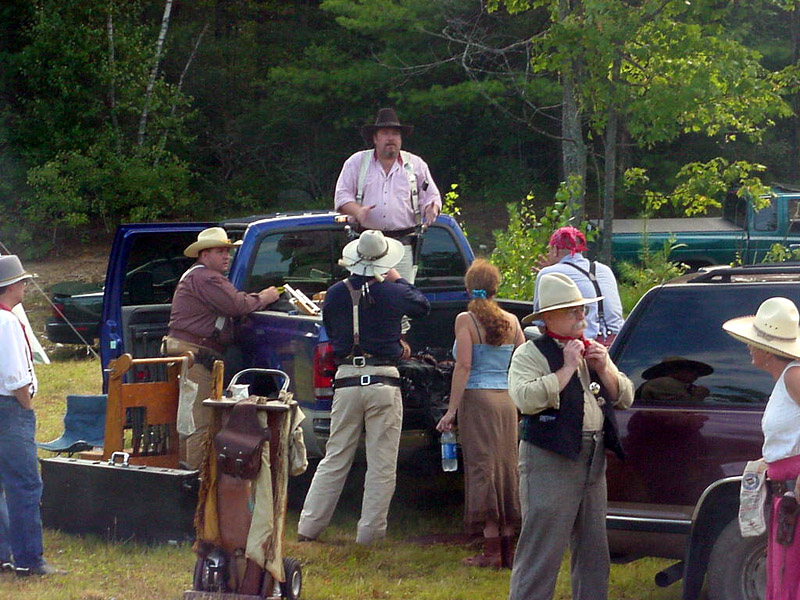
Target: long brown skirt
point(487, 424)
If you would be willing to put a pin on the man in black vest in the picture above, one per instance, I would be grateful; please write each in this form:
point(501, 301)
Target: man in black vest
point(566, 388)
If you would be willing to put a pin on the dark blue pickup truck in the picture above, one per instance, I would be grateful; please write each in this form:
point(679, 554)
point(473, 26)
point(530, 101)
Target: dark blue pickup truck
point(299, 249)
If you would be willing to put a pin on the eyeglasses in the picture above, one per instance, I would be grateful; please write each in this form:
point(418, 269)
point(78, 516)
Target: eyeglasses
point(576, 311)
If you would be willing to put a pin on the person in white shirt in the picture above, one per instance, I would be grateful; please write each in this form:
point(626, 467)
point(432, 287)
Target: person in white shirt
point(773, 339)
point(20, 484)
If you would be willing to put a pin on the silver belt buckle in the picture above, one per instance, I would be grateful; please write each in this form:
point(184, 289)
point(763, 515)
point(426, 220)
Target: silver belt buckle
point(359, 361)
point(366, 379)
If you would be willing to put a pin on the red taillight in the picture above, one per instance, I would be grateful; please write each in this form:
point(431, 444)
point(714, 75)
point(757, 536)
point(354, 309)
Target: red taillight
point(58, 310)
point(324, 369)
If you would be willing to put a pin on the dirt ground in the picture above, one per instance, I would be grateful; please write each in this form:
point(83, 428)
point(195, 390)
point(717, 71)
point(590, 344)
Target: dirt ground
point(87, 265)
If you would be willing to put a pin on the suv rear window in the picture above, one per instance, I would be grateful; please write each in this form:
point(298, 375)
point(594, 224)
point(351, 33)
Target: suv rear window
point(686, 321)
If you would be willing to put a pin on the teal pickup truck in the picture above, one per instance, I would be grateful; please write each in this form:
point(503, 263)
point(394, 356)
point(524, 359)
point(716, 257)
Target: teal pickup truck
point(741, 233)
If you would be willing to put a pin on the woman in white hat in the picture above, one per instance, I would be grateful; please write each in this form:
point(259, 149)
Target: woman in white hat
point(773, 339)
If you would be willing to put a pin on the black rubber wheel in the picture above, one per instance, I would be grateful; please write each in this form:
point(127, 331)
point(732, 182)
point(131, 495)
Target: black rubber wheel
point(293, 585)
point(737, 569)
point(197, 578)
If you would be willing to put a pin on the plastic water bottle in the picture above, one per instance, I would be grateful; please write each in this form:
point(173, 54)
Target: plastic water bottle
point(449, 457)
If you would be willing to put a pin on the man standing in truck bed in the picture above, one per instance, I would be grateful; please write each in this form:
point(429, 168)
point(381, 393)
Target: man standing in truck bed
point(389, 189)
point(362, 317)
point(203, 303)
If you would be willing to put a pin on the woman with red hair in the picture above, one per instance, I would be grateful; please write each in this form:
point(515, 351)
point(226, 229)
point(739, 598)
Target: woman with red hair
point(486, 336)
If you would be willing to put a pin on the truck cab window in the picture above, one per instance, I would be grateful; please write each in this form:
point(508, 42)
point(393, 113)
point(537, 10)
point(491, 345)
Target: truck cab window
point(307, 260)
point(766, 219)
point(155, 264)
point(441, 262)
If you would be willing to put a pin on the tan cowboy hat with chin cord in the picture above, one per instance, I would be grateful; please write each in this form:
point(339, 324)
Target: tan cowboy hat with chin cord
point(213, 237)
point(773, 328)
point(557, 291)
point(372, 254)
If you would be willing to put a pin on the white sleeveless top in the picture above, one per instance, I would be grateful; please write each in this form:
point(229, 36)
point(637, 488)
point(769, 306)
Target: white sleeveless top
point(781, 422)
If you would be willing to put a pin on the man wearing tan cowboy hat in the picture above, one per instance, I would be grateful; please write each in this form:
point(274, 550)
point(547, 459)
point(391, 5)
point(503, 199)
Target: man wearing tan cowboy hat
point(199, 322)
point(389, 189)
point(566, 387)
point(20, 519)
point(362, 319)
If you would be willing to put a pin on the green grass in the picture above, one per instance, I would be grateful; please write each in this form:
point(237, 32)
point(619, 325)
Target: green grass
point(427, 502)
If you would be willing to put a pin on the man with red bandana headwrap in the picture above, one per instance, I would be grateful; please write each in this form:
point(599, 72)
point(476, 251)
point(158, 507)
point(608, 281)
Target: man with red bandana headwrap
point(565, 255)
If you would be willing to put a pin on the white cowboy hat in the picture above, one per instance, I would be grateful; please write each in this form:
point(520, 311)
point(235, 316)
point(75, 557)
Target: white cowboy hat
point(773, 328)
point(372, 254)
point(557, 291)
point(213, 237)
point(11, 270)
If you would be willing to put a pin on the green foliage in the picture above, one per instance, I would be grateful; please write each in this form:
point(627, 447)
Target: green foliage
point(654, 268)
point(779, 253)
point(520, 247)
point(78, 187)
point(701, 186)
point(450, 206)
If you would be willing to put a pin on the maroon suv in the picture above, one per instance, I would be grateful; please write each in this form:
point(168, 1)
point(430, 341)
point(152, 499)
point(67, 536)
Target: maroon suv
point(677, 493)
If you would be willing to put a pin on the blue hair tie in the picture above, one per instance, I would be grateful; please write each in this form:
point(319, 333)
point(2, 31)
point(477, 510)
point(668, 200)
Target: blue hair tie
point(479, 294)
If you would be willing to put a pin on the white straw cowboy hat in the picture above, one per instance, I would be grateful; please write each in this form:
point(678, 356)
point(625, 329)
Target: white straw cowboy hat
point(557, 291)
point(372, 254)
point(774, 328)
point(11, 270)
point(213, 237)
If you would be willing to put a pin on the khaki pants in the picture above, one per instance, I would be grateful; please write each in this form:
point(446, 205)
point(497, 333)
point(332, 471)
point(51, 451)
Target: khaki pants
point(378, 409)
point(191, 447)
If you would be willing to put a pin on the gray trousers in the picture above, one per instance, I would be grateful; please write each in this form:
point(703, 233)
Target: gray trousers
point(563, 505)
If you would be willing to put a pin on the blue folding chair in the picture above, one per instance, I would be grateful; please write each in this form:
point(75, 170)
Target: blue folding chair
point(84, 425)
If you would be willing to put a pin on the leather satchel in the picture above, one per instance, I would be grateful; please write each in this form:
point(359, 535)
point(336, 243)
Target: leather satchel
point(240, 441)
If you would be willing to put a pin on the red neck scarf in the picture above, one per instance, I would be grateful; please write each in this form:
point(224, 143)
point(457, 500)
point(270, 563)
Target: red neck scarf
point(566, 338)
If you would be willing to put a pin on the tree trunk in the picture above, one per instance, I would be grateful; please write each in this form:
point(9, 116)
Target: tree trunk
point(154, 73)
point(610, 185)
point(794, 166)
point(573, 148)
point(112, 65)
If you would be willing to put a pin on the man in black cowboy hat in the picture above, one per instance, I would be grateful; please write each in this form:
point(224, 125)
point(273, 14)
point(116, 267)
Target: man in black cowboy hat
point(387, 188)
point(674, 379)
point(362, 317)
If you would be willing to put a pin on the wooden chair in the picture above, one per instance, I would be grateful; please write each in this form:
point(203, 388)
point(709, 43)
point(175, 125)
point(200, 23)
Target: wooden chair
point(149, 410)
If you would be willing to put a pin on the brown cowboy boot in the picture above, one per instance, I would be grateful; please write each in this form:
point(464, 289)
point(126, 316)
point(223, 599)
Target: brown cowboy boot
point(490, 557)
point(508, 548)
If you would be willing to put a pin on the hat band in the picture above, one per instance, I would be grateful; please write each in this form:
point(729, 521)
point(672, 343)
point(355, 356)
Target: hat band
point(373, 258)
point(770, 337)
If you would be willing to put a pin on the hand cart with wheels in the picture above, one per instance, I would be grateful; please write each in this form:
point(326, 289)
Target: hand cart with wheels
point(242, 502)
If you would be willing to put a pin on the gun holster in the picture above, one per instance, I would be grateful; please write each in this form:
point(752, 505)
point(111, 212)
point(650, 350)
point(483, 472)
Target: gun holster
point(788, 510)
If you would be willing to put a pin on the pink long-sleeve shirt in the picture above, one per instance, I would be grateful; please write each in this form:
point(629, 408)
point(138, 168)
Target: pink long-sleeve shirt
point(387, 192)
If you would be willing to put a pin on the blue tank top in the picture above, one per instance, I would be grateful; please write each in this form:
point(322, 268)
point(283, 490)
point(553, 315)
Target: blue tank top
point(489, 366)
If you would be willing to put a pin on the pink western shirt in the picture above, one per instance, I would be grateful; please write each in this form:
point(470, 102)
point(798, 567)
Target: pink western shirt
point(388, 193)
